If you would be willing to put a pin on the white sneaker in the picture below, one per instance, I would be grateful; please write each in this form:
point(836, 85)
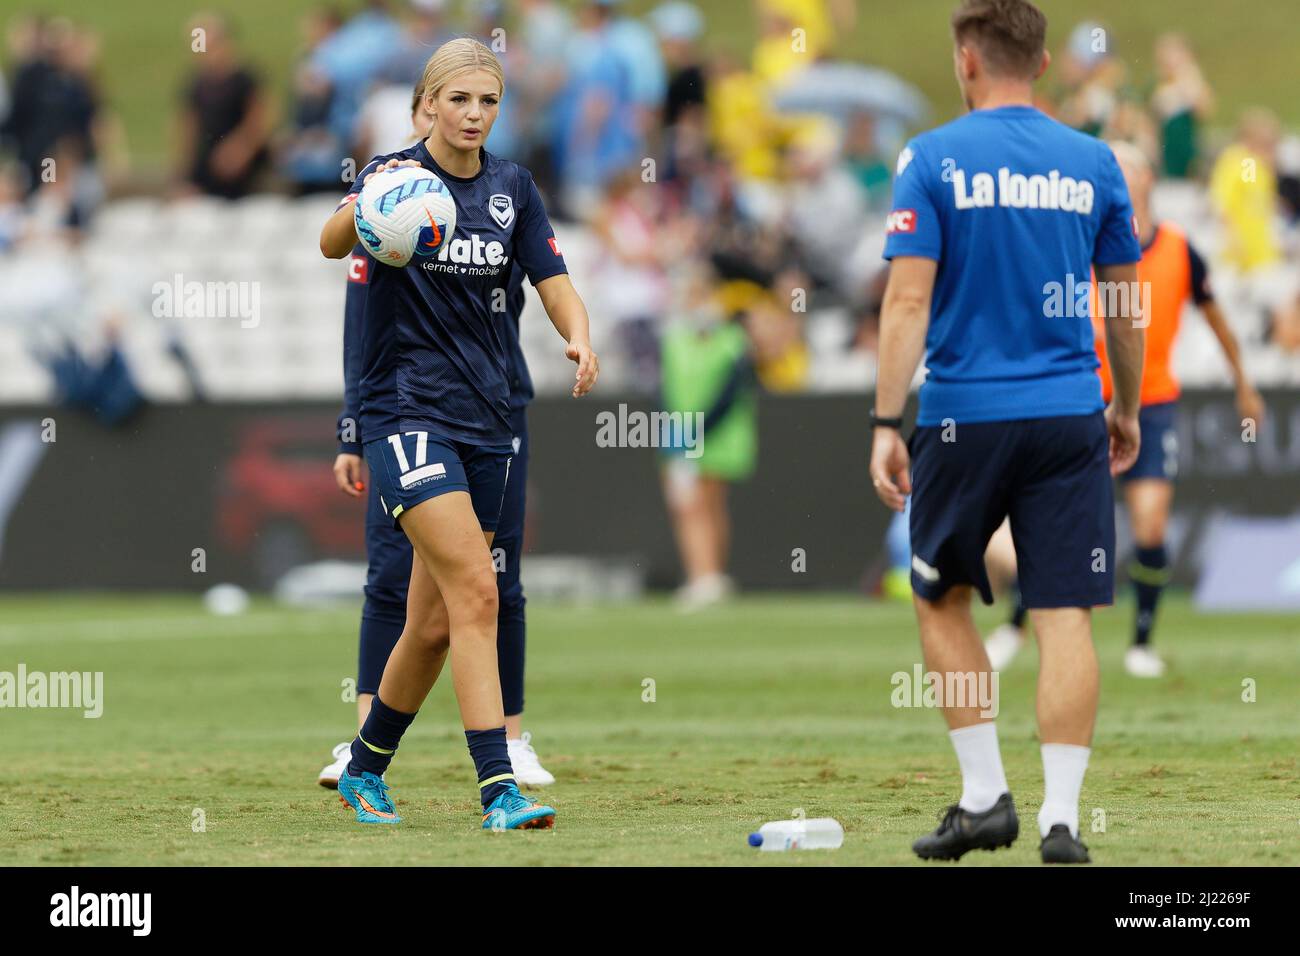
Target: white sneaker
point(1142, 661)
point(1003, 645)
point(329, 775)
point(704, 592)
point(528, 770)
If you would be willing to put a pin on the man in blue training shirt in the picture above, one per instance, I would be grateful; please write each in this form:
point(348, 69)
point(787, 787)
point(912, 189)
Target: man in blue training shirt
point(998, 219)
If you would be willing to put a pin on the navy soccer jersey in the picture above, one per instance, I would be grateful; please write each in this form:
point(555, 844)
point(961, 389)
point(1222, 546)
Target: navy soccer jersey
point(354, 309)
point(436, 352)
point(1015, 208)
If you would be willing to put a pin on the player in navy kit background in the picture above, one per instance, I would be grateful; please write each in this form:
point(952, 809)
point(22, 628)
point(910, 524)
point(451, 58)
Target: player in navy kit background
point(436, 423)
point(990, 214)
point(388, 552)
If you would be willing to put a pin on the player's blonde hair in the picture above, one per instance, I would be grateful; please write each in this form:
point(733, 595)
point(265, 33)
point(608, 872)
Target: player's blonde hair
point(461, 55)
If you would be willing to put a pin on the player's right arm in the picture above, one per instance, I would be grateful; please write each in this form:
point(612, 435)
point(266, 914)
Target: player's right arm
point(904, 321)
point(340, 232)
point(914, 246)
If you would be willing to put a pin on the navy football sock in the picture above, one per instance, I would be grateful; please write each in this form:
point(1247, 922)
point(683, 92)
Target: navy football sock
point(1150, 572)
point(491, 762)
point(374, 747)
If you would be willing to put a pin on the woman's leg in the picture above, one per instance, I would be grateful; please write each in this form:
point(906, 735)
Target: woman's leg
point(417, 659)
point(456, 553)
point(459, 581)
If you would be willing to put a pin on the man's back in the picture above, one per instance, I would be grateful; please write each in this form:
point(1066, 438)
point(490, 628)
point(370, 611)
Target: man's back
point(998, 220)
point(1015, 208)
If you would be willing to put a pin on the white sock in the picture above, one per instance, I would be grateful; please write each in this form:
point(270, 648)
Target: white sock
point(982, 779)
point(1063, 768)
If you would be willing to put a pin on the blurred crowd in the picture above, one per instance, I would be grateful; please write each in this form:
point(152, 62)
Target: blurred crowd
point(1253, 184)
point(718, 188)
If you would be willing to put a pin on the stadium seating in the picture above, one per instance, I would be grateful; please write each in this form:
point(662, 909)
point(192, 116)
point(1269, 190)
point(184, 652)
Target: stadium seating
point(294, 349)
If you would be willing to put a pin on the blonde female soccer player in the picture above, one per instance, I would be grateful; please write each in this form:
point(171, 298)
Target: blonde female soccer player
point(435, 424)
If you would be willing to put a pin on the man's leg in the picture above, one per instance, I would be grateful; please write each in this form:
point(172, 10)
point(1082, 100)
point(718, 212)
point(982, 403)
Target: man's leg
point(688, 507)
point(951, 644)
point(1148, 489)
point(1006, 640)
point(1148, 501)
point(958, 501)
point(1063, 523)
point(1068, 687)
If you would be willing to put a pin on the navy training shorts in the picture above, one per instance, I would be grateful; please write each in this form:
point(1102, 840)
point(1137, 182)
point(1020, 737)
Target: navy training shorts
point(1158, 454)
point(1051, 476)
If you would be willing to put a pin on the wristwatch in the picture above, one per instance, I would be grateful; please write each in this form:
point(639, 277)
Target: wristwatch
point(878, 422)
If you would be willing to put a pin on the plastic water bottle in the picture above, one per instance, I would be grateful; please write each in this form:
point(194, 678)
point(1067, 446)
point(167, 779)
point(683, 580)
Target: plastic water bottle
point(821, 833)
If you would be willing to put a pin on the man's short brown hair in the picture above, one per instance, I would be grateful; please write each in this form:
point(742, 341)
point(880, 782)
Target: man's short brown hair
point(1010, 34)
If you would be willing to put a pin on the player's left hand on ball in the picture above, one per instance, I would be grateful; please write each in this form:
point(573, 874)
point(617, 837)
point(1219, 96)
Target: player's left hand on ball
point(588, 366)
point(347, 474)
point(891, 468)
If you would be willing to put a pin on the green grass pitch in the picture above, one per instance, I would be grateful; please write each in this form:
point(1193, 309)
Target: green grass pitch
point(771, 704)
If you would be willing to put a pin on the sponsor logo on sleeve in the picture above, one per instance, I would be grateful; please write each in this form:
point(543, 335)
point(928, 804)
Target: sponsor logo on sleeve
point(901, 221)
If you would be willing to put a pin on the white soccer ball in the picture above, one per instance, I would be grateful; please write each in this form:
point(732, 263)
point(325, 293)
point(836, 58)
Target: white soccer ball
point(225, 600)
point(404, 213)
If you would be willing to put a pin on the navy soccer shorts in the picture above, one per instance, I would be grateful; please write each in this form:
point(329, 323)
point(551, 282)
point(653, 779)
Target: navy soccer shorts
point(412, 467)
point(1158, 454)
point(1050, 475)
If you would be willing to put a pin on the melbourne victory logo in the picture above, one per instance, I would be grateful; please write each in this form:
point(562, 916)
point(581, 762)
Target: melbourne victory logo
point(502, 209)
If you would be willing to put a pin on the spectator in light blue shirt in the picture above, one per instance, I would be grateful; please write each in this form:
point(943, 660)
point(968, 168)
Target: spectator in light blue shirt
point(596, 132)
point(352, 57)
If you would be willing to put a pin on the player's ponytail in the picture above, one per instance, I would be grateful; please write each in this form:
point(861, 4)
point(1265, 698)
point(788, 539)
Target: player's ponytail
point(457, 56)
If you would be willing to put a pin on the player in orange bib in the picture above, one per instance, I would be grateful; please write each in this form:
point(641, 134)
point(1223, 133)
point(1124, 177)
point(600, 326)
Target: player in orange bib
point(1171, 272)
